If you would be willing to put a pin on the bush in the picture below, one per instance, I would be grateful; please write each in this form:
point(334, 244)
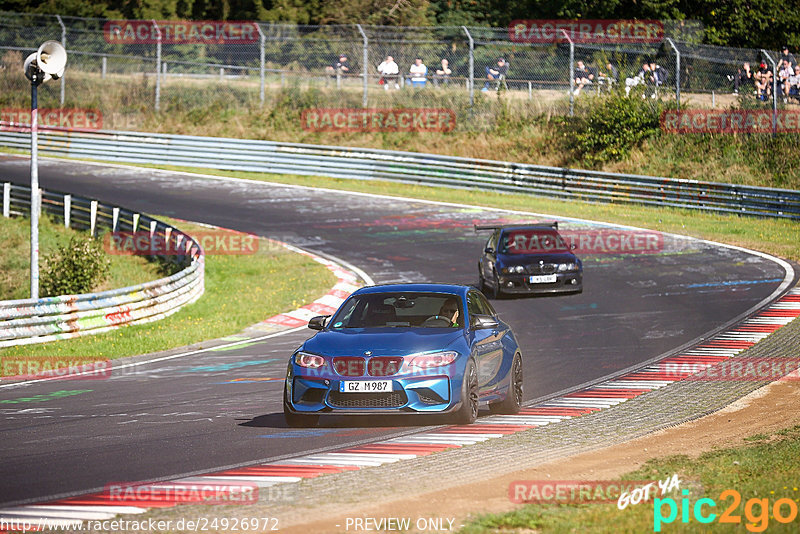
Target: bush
point(613, 125)
point(75, 268)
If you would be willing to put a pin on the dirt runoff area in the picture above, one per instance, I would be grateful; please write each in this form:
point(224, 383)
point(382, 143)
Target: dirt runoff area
point(762, 411)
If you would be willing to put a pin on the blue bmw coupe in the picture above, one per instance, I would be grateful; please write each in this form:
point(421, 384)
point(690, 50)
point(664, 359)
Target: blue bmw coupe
point(406, 349)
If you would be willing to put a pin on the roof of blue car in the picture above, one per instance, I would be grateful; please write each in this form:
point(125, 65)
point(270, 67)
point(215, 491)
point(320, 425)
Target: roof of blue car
point(421, 288)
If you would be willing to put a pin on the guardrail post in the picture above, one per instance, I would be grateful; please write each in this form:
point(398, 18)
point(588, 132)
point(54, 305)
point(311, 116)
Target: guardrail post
point(64, 44)
point(7, 199)
point(67, 210)
point(471, 84)
point(263, 39)
point(114, 218)
point(104, 67)
point(571, 73)
point(135, 222)
point(92, 217)
point(153, 225)
point(774, 92)
point(158, 66)
point(365, 61)
point(677, 73)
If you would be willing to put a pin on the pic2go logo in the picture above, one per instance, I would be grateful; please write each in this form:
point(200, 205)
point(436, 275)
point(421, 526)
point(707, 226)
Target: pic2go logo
point(756, 511)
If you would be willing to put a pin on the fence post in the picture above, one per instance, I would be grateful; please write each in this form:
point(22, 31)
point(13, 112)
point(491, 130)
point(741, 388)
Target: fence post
point(64, 44)
point(365, 63)
point(677, 72)
point(67, 210)
point(92, 217)
point(261, 62)
point(571, 73)
point(7, 199)
point(471, 67)
point(158, 66)
point(103, 72)
point(774, 92)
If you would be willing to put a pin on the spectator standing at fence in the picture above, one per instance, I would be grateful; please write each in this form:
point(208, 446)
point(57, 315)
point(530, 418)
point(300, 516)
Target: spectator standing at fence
point(583, 77)
point(763, 81)
point(786, 55)
point(794, 84)
point(783, 77)
point(744, 78)
point(389, 72)
point(442, 73)
point(496, 73)
point(639, 79)
point(418, 73)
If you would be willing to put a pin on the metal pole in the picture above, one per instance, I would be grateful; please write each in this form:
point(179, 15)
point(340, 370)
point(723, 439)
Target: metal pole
point(261, 58)
point(64, 44)
point(35, 81)
point(471, 67)
point(105, 65)
point(158, 65)
point(365, 61)
point(774, 92)
point(571, 73)
point(677, 73)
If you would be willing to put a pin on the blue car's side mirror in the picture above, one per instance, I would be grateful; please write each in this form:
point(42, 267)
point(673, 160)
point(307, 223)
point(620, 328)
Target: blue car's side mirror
point(318, 322)
point(489, 250)
point(480, 322)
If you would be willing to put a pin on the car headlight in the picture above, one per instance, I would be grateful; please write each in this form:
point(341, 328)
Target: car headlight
point(514, 269)
point(432, 359)
point(567, 267)
point(310, 361)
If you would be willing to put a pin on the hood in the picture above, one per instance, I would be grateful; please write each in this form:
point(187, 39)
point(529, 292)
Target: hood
point(381, 341)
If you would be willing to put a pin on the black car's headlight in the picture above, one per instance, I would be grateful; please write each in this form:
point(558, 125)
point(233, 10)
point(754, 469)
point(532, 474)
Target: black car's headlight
point(514, 269)
point(562, 267)
point(310, 361)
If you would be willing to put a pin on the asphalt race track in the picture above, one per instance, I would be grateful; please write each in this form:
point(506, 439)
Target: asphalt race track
point(223, 407)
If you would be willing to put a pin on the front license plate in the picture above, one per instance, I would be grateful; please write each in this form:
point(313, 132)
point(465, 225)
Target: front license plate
point(543, 279)
point(363, 386)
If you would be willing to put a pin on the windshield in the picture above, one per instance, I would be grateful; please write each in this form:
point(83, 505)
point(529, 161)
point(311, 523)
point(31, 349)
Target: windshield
point(532, 241)
point(380, 310)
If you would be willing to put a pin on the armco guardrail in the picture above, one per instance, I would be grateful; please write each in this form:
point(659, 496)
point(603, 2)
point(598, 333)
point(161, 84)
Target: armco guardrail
point(449, 171)
point(30, 321)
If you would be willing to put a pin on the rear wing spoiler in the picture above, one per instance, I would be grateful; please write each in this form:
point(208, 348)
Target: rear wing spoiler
point(484, 227)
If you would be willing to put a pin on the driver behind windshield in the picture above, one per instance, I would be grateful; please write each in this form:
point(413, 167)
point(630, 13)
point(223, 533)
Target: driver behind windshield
point(449, 311)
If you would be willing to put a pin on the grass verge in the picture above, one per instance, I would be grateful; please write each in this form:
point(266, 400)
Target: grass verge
point(15, 259)
point(240, 290)
point(760, 473)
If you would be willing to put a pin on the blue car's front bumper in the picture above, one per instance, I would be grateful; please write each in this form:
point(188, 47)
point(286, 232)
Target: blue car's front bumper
point(431, 393)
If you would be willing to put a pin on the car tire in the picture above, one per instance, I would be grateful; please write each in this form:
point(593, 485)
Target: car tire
point(468, 411)
point(513, 401)
point(495, 292)
point(482, 281)
point(297, 420)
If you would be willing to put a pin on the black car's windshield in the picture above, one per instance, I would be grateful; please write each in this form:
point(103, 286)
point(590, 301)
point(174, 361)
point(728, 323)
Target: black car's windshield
point(380, 310)
point(532, 241)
